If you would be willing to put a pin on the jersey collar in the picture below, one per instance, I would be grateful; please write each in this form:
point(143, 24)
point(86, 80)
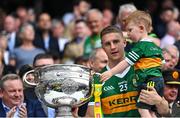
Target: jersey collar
point(121, 75)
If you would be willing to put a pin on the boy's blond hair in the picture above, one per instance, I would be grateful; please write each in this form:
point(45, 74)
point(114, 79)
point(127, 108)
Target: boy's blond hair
point(140, 17)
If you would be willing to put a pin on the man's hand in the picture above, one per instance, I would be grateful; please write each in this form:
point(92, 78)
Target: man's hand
point(75, 112)
point(22, 111)
point(11, 113)
point(150, 97)
point(105, 76)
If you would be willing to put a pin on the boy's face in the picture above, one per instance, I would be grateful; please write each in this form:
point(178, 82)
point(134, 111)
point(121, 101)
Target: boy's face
point(133, 31)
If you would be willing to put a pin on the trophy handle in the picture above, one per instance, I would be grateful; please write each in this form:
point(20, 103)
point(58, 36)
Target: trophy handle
point(26, 81)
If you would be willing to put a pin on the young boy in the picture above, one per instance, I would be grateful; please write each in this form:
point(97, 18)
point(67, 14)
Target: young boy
point(145, 56)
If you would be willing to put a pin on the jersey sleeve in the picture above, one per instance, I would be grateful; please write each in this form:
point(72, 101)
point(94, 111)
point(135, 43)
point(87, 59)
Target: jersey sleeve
point(134, 55)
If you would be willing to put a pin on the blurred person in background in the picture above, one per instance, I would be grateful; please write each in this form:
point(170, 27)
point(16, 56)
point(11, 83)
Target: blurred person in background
point(80, 8)
point(4, 53)
point(42, 59)
point(25, 53)
point(173, 28)
point(95, 23)
point(107, 17)
point(124, 11)
point(74, 49)
point(3, 47)
point(22, 13)
point(10, 29)
point(1, 62)
point(98, 59)
point(2, 16)
point(31, 16)
point(58, 34)
point(172, 50)
point(167, 57)
point(160, 23)
point(43, 38)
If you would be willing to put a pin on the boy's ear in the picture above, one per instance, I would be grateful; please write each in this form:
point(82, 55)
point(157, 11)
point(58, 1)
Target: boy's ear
point(141, 27)
point(125, 42)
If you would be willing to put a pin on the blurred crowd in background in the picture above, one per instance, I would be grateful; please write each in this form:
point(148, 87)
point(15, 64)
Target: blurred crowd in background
point(70, 38)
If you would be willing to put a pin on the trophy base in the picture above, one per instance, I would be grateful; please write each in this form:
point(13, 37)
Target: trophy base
point(64, 111)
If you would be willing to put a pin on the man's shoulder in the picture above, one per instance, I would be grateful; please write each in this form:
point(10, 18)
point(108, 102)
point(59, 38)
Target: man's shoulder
point(2, 111)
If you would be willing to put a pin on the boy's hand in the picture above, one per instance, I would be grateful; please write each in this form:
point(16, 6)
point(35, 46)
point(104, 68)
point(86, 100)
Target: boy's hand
point(105, 76)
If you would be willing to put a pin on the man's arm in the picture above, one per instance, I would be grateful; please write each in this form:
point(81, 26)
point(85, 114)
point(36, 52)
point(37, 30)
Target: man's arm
point(151, 97)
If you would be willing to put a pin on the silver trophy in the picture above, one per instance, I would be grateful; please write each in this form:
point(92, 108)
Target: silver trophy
point(62, 86)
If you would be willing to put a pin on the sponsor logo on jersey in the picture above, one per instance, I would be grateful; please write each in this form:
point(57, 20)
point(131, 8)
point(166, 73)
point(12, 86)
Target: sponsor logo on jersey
point(108, 88)
point(119, 103)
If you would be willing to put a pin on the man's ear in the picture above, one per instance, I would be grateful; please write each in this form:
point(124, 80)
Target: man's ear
point(125, 42)
point(91, 63)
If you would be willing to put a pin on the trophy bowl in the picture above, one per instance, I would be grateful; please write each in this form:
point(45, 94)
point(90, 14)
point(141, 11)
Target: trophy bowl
point(62, 86)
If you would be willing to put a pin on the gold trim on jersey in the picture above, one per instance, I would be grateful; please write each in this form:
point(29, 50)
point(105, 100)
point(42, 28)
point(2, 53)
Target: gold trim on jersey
point(145, 63)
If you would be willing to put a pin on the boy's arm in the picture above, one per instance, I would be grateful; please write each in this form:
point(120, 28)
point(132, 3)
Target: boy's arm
point(119, 68)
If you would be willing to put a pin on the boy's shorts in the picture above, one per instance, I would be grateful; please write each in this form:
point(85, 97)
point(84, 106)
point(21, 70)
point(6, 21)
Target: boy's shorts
point(158, 85)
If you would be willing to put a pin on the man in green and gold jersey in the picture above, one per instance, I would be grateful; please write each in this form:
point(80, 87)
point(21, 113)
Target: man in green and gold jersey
point(118, 98)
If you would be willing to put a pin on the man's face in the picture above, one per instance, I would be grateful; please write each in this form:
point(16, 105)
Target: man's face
point(83, 7)
point(95, 22)
point(81, 30)
point(28, 33)
point(170, 92)
point(174, 55)
point(113, 44)
point(167, 58)
point(9, 24)
point(43, 62)
point(122, 17)
point(58, 30)
point(100, 61)
point(44, 22)
point(12, 94)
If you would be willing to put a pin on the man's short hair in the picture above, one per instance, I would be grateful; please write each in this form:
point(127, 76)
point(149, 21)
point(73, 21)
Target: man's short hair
point(93, 54)
point(126, 8)
point(140, 17)
point(8, 77)
point(168, 47)
point(98, 12)
point(42, 56)
point(111, 29)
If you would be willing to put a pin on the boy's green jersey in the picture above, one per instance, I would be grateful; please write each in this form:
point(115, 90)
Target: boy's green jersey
point(147, 59)
point(118, 98)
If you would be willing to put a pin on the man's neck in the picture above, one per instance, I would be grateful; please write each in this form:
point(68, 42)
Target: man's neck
point(113, 63)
